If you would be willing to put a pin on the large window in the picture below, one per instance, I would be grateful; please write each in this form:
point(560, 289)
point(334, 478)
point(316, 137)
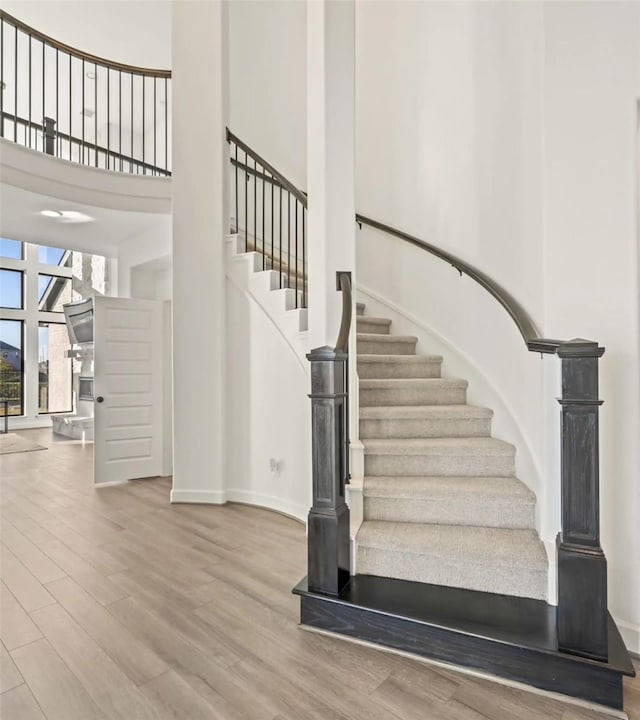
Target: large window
point(35, 282)
point(11, 249)
point(11, 365)
point(54, 369)
point(11, 294)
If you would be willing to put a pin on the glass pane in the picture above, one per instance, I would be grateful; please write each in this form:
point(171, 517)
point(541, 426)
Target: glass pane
point(10, 249)
point(54, 256)
point(55, 374)
point(53, 292)
point(11, 365)
point(10, 289)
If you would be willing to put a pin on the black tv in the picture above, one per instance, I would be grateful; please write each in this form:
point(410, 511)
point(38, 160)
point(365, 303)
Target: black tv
point(79, 316)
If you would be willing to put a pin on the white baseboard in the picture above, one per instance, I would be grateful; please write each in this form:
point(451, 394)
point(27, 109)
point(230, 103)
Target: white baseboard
point(206, 497)
point(631, 635)
point(269, 502)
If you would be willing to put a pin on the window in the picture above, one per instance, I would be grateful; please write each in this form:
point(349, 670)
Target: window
point(11, 365)
point(11, 249)
point(54, 256)
point(55, 380)
point(11, 289)
point(53, 292)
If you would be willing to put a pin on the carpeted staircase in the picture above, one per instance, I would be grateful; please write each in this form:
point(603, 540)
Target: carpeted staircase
point(442, 504)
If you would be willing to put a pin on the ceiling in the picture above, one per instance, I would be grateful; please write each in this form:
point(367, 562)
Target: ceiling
point(20, 219)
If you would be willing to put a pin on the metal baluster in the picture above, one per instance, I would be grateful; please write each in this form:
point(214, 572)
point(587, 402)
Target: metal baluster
point(95, 113)
point(70, 96)
point(280, 233)
point(43, 99)
point(236, 169)
point(255, 205)
point(288, 239)
point(264, 177)
point(295, 259)
point(166, 128)
point(155, 162)
point(272, 207)
point(15, 86)
point(304, 270)
point(2, 84)
point(246, 193)
point(144, 169)
point(107, 161)
point(120, 117)
point(29, 89)
point(131, 148)
point(82, 111)
point(57, 104)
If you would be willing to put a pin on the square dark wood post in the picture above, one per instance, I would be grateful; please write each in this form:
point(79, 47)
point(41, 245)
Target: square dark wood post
point(328, 525)
point(582, 567)
point(49, 135)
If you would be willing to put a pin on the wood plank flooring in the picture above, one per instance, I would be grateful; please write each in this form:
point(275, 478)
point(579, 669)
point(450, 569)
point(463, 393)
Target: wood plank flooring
point(117, 605)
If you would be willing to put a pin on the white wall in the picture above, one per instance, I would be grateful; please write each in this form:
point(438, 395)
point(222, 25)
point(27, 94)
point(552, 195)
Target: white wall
point(136, 32)
point(505, 133)
point(267, 66)
point(268, 411)
point(592, 84)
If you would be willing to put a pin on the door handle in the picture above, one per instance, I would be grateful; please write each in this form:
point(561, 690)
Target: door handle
point(99, 399)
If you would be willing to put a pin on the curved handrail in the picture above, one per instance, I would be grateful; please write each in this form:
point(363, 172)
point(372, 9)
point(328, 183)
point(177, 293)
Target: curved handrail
point(518, 314)
point(80, 54)
point(344, 285)
point(286, 184)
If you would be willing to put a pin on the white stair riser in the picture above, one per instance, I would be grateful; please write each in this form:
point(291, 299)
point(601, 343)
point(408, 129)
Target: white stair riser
point(427, 394)
point(395, 347)
point(501, 512)
point(520, 581)
point(425, 428)
point(443, 465)
point(386, 370)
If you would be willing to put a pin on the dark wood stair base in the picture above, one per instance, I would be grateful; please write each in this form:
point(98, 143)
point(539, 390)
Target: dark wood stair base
point(513, 638)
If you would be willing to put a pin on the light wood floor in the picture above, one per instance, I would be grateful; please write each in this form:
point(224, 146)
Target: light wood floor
point(118, 605)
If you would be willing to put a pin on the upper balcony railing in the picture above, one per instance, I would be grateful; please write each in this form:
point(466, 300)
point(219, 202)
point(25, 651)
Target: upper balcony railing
point(80, 107)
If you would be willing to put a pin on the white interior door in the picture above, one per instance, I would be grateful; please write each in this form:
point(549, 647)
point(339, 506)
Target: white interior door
point(128, 389)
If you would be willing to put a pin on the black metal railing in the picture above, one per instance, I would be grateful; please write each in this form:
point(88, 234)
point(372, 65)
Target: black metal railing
point(82, 108)
point(270, 214)
point(582, 616)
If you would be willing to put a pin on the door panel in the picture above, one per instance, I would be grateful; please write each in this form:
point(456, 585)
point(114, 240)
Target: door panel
point(128, 375)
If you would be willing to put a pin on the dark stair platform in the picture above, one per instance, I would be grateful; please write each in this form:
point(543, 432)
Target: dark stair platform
point(513, 638)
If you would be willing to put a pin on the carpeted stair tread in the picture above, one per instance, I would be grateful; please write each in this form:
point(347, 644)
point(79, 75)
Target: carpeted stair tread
point(382, 366)
point(376, 337)
point(425, 411)
point(488, 501)
point(438, 446)
point(412, 391)
point(506, 561)
point(425, 421)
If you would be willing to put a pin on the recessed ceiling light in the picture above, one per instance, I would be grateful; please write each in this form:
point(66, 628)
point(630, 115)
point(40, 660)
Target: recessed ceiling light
point(67, 216)
point(90, 74)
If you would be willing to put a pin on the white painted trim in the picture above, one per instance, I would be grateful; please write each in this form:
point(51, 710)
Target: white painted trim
point(269, 502)
point(552, 576)
point(630, 634)
point(205, 497)
point(110, 483)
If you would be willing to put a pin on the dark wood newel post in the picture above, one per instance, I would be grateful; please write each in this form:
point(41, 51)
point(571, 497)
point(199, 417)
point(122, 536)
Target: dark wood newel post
point(582, 567)
point(328, 525)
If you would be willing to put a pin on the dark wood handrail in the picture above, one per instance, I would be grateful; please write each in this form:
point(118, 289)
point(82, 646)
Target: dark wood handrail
point(282, 180)
point(518, 314)
point(80, 54)
point(344, 285)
